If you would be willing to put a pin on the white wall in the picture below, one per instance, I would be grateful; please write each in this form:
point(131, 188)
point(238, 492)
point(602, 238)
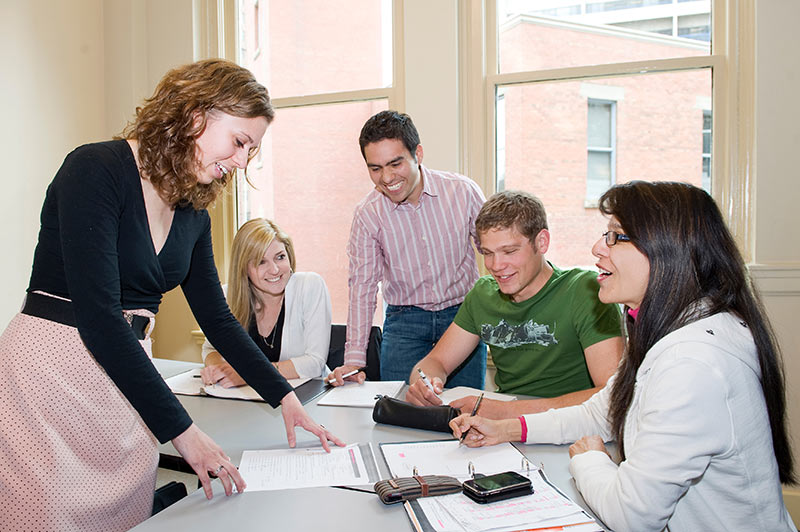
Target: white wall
point(777, 253)
point(52, 93)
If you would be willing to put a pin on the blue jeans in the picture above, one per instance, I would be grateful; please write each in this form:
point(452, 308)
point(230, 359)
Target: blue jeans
point(409, 333)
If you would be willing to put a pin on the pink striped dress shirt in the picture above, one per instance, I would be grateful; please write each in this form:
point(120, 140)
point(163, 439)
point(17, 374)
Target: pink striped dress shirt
point(422, 253)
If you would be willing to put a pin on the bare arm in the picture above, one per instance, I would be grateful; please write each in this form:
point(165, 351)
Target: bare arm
point(602, 359)
point(452, 349)
point(218, 371)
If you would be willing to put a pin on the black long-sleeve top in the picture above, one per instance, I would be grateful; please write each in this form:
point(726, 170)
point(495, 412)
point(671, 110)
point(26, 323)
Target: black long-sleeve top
point(95, 248)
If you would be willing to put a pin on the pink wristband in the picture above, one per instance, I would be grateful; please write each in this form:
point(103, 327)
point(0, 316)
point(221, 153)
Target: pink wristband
point(524, 428)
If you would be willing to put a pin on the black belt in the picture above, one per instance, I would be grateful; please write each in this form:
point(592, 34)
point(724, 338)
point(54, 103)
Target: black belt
point(60, 311)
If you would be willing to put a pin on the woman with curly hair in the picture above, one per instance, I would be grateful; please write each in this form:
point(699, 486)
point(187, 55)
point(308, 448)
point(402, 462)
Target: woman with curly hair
point(287, 313)
point(82, 408)
point(697, 406)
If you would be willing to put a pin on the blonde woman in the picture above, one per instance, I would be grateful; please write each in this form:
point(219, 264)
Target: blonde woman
point(286, 313)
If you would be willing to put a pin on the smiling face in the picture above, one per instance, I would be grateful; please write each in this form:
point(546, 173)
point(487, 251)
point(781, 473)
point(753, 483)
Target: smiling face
point(394, 170)
point(270, 275)
point(624, 270)
point(226, 143)
point(518, 267)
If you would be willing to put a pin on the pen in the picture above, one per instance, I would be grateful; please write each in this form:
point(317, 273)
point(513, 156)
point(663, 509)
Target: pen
point(474, 411)
point(425, 380)
point(349, 374)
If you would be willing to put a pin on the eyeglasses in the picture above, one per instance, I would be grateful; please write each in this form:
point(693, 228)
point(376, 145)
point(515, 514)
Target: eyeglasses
point(612, 237)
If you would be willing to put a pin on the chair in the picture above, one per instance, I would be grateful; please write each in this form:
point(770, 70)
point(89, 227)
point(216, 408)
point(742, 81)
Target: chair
point(336, 350)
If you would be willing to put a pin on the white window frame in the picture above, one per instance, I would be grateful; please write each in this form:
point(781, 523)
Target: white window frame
point(732, 64)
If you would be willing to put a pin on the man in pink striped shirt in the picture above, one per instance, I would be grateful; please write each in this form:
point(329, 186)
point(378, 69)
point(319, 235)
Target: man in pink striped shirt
point(413, 234)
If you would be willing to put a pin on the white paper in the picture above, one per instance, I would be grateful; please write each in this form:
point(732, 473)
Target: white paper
point(190, 383)
point(546, 507)
point(362, 395)
point(303, 468)
point(447, 458)
point(451, 394)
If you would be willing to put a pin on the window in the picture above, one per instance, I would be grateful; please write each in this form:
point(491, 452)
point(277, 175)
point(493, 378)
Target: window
point(325, 79)
point(601, 141)
point(707, 150)
point(589, 97)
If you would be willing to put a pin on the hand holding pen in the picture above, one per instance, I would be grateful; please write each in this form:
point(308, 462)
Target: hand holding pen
point(423, 392)
point(474, 411)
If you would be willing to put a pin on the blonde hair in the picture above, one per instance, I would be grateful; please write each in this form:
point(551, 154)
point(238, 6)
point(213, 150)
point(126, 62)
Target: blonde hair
point(249, 246)
point(168, 124)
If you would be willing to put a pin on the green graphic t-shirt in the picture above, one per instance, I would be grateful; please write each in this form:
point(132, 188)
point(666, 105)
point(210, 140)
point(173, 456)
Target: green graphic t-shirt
point(537, 345)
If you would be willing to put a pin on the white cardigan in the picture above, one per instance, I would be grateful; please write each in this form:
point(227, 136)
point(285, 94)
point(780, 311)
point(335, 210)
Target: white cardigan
point(307, 325)
point(697, 439)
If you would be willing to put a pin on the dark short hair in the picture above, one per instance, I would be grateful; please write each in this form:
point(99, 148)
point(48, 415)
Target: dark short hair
point(512, 208)
point(389, 125)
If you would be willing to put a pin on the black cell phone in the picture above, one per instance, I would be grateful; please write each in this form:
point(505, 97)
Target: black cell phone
point(497, 487)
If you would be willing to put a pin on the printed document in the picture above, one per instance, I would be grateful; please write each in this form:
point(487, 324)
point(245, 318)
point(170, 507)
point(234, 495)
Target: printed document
point(280, 469)
point(363, 395)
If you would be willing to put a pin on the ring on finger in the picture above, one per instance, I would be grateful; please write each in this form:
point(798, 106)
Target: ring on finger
point(220, 468)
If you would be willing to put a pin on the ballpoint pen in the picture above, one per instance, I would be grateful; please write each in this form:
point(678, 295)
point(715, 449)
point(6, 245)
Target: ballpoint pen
point(348, 374)
point(426, 380)
point(474, 411)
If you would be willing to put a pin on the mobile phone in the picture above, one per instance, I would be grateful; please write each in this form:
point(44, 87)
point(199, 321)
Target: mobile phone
point(497, 487)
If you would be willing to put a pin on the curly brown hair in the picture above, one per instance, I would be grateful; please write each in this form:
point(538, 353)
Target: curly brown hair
point(170, 121)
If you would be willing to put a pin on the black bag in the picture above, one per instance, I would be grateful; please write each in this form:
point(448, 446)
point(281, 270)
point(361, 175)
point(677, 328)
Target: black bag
point(396, 412)
point(168, 495)
point(410, 488)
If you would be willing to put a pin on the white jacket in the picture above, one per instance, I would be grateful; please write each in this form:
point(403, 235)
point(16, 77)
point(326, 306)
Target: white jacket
point(697, 439)
point(307, 325)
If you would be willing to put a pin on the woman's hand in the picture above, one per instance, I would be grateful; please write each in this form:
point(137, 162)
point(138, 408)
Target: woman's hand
point(294, 415)
point(588, 443)
point(484, 432)
point(205, 456)
point(222, 374)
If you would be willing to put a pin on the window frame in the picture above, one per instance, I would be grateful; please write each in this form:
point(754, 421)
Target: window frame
point(732, 65)
point(611, 149)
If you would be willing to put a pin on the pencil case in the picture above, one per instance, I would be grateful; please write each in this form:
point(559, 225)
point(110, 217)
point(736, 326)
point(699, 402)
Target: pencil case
point(409, 488)
point(396, 412)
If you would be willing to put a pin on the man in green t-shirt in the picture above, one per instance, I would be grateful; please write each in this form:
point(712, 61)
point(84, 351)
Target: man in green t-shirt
point(549, 334)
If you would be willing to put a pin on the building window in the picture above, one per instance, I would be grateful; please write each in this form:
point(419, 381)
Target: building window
point(707, 151)
point(601, 146)
point(590, 99)
point(324, 85)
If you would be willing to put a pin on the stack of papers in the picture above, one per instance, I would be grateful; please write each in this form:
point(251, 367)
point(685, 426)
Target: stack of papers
point(281, 469)
point(546, 508)
point(361, 395)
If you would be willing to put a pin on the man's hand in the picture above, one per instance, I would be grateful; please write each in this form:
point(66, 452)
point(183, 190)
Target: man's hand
point(336, 377)
point(419, 394)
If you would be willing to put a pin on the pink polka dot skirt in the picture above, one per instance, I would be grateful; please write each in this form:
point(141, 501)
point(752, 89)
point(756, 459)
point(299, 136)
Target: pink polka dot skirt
point(74, 454)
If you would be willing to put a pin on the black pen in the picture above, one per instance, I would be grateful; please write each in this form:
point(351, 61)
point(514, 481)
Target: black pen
point(474, 411)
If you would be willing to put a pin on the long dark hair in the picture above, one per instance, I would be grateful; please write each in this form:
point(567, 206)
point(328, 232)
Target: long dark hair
point(693, 258)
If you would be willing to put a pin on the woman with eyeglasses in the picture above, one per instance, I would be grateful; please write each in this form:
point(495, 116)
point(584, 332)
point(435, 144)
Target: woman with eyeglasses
point(697, 406)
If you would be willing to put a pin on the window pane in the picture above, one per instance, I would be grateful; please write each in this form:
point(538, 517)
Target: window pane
point(599, 124)
point(658, 136)
point(562, 33)
point(302, 47)
point(311, 179)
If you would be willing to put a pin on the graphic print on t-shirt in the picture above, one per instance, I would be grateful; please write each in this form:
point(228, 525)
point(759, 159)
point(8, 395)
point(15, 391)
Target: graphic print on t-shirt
point(529, 332)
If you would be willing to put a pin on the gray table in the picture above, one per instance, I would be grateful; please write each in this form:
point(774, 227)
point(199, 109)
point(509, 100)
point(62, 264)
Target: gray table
point(242, 425)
